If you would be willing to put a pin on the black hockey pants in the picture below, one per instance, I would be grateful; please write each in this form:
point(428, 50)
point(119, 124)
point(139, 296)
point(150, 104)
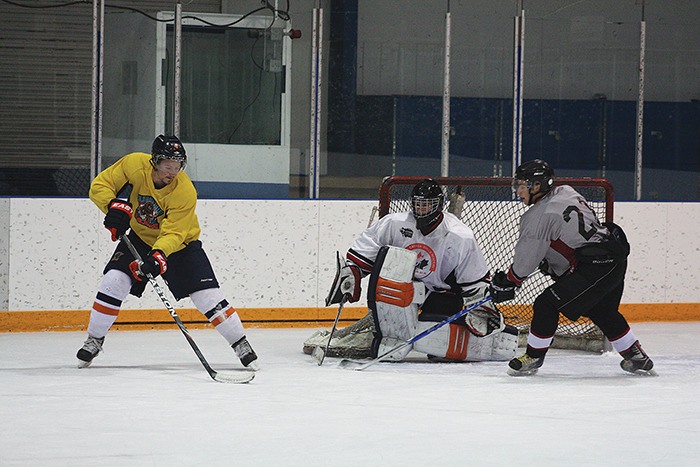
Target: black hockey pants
point(594, 290)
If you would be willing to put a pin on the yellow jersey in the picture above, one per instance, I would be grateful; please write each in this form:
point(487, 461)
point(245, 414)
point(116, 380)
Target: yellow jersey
point(163, 218)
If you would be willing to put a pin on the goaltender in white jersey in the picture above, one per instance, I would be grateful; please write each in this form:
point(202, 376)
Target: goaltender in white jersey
point(424, 265)
point(448, 255)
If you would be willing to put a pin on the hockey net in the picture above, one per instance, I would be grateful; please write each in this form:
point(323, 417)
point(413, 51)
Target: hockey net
point(487, 205)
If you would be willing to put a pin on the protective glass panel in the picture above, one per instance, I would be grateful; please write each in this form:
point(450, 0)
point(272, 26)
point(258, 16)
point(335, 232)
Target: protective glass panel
point(580, 90)
point(231, 85)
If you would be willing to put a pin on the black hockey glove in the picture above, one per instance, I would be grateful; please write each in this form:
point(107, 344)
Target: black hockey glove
point(502, 289)
point(118, 217)
point(154, 264)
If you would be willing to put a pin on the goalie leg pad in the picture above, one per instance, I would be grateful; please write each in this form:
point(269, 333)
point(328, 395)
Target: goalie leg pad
point(450, 342)
point(391, 297)
point(455, 343)
point(500, 346)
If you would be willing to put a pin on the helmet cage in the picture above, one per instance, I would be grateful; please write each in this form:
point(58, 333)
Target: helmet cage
point(425, 207)
point(427, 202)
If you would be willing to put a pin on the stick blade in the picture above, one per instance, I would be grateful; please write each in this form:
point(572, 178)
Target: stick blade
point(233, 377)
point(319, 354)
point(352, 365)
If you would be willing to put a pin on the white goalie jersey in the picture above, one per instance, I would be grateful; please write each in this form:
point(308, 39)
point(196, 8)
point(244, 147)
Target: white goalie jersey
point(448, 256)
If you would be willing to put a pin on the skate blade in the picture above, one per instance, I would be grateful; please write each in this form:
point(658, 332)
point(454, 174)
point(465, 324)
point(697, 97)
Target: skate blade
point(651, 372)
point(83, 364)
point(513, 372)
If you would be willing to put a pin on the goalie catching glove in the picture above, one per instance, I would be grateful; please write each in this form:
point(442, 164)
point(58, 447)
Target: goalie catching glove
point(346, 285)
point(502, 288)
point(486, 319)
point(154, 264)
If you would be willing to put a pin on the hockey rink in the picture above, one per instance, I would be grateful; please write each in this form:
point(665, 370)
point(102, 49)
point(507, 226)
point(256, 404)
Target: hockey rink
point(147, 401)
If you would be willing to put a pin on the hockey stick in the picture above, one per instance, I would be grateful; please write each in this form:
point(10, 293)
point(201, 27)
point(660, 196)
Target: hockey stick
point(239, 377)
point(319, 354)
point(359, 366)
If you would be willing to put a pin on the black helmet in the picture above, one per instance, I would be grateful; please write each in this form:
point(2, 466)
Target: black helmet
point(427, 194)
point(168, 147)
point(535, 171)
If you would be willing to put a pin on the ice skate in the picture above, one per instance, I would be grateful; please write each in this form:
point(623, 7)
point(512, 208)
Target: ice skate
point(636, 361)
point(246, 353)
point(524, 365)
point(91, 347)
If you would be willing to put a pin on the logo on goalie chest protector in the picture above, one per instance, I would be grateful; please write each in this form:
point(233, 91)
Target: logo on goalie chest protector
point(426, 262)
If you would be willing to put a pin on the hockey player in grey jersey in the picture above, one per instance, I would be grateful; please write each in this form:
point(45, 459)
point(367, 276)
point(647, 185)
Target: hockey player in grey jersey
point(561, 235)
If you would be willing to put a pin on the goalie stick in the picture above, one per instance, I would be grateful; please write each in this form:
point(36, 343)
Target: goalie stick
point(239, 377)
point(319, 354)
point(359, 366)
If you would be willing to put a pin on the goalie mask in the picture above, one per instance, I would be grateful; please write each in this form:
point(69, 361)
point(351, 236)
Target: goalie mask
point(427, 202)
point(170, 148)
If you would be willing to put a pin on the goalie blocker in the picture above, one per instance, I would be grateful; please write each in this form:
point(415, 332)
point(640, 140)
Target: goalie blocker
point(394, 300)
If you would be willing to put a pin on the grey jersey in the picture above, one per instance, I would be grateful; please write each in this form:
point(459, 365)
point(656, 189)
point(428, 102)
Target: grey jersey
point(552, 229)
point(447, 257)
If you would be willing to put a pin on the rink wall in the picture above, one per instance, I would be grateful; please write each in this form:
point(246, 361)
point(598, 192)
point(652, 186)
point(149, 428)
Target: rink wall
point(275, 261)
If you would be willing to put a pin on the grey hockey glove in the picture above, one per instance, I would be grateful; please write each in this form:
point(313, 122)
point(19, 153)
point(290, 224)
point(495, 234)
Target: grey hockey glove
point(346, 285)
point(502, 289)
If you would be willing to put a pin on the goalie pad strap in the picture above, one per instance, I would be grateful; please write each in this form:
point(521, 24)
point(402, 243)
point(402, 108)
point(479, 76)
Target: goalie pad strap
point(457, 343)
point(394, 293)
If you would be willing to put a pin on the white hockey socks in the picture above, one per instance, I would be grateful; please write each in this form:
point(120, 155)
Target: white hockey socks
point(113, 290)
point(215, 307)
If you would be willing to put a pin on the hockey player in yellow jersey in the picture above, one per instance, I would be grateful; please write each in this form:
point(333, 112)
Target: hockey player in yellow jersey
point(160, 212)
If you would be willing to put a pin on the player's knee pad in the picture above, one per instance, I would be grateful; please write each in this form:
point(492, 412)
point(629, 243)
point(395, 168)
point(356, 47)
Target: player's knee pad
point(207, 299)
point(393, 299)
point(115, 284)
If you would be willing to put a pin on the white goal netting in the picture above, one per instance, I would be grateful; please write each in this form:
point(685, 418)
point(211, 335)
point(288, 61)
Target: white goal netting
point(488, 207)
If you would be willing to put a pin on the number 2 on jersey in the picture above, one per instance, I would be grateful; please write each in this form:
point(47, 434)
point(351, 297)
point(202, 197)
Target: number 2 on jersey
point(587, 234)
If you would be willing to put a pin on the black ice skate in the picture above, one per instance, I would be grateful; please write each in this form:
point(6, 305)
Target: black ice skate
point(524, 365)
point(246, 353)
point(91, 347)
point(637, 361)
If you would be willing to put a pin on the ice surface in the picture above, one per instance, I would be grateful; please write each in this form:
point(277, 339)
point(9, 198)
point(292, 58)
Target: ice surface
point(147, 401)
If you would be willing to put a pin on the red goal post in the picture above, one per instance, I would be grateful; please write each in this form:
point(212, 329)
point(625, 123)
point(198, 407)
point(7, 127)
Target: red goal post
point(489, 207)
